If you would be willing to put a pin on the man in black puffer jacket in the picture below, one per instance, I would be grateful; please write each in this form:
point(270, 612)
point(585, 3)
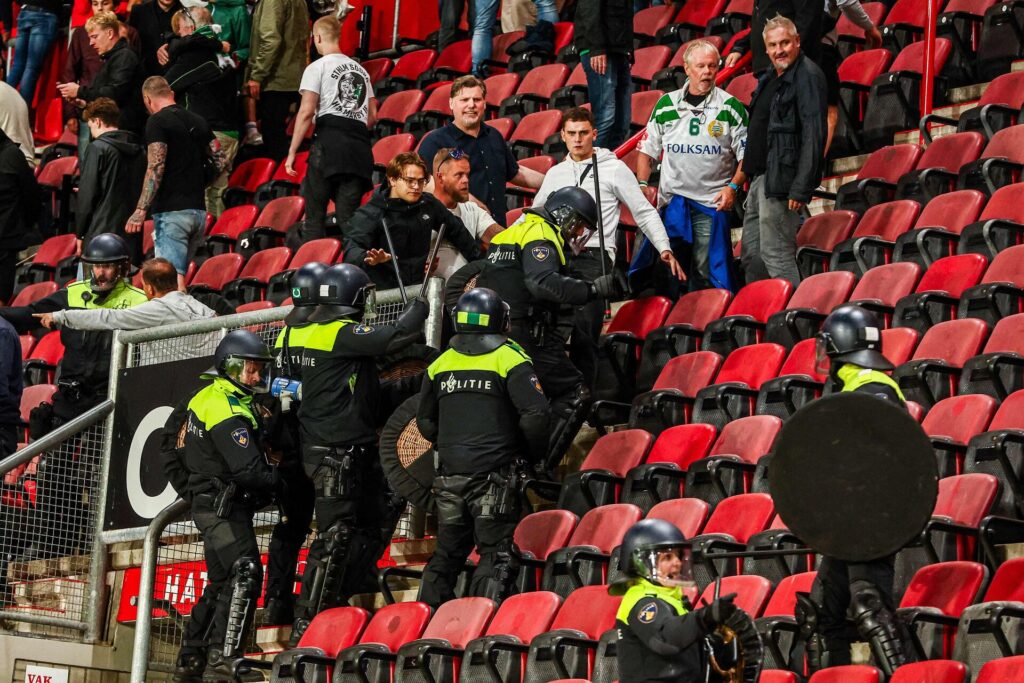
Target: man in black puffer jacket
point(411, 216)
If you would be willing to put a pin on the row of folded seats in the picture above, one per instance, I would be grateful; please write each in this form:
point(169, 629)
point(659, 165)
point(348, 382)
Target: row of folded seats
point(952, 610)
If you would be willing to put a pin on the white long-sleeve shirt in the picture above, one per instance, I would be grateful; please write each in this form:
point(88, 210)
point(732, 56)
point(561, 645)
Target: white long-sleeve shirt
point(618, 186)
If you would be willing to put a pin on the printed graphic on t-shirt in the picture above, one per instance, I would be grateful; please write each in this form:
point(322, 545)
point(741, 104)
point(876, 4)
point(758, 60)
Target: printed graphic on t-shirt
point(351, 92)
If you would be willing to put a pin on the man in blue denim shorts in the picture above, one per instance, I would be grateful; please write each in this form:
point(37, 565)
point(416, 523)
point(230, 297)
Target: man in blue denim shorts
point(178, 144)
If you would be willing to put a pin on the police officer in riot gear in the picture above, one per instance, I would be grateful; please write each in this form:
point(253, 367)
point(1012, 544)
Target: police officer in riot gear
point(229, 478)
point(850, 341)
point(338, 421)
point(527, 265)
point(661, 636)
point(486, 376)
point(297, 494)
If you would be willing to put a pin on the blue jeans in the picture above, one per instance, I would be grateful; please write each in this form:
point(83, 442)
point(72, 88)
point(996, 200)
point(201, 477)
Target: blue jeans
point(36, 31)
point(610, 99)
point(176, 235)
point(486, 13)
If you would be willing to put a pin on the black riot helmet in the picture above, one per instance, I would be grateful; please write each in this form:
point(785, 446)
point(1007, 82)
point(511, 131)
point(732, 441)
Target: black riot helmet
point(243, 359)
point(482, 322)
point(304, 286)
point(648, 541)
point(106, 248)
point(345, 291)
point(575, 213)
point(851, 334)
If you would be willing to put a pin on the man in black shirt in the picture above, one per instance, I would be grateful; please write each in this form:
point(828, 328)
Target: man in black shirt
point(785, 154)
point(485, 375)
point(177, 145)
point(152, 19)
point(490, 158)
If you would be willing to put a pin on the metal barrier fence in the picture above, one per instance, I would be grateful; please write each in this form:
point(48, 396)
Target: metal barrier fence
point(49, 516)
point(172, 538)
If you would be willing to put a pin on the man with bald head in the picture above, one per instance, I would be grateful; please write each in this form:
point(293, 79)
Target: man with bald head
point(702, 132)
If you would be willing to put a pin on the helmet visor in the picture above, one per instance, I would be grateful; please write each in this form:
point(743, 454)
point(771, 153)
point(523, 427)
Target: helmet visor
point(577, 232)
point(665, 564)
point(822, 362)
point(252, 375)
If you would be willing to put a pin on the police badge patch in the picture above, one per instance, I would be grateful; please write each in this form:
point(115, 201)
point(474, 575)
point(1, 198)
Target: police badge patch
point(363, 329)
point(648, 613)
point(541, 253)
point(241, 436)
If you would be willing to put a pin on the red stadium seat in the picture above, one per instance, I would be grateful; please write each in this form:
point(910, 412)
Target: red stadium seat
point(933, 602)
point(622, 342)
point(530, 135)
point(798, 383)
point(988, 629)
point(573, 93)
point(519, 619)
point(778, 622)
point(995, 372)
point(1001, 670)
point(396, 109)
point(999, 225)
point(883, 286)
point(937, 671)
point(851, 673)
point(934, 370)
point(434, 113)
point(325, 250)
point(996, 452)
point(818, 237)
point(537, 536)
point(499, 51)
point(377, 68)
point(851, 36)
point(938, 293)
point(686, 514)
point(856, 74)
point(33, 293)
point(937, 169)
point(391, 627)
point(745, 320)
point(732, 523)
point(524, 195)
point(777, 676)
point(734, 18)
point(1001, 290)
point(387, 148)
point(876, 180)
point(246, 179)
point(938, 227)
point(600, 530)
point(954, 421)
point(229, 227)
point(251, 283)
point(27, 342)
point(603, 470)
point(643, 104)
point(500, 87)
point(453, 61)
point(406, 70)
point(999, 165)
point(254, 306)
point(503, 126)
point(898, 344)
point(453, 626)
point(43, 265)
point(216, 272)
point(736, 386)
point(647, 61)
point(742, 88)
point(903, 25)
point(998, 107)
point(330, 632)
point(682, 332)
point(873, 240)
point(661, 476)
point(813, 299)
point(751, 593)
point(728, 469)
point(649, 21)
point(41, 364)
point(275, 219)
point(32, 397)
point(691, 22)
point(534, 91)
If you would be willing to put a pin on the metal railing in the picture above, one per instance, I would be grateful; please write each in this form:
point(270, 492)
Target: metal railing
point(51, 512)
point(171, 541)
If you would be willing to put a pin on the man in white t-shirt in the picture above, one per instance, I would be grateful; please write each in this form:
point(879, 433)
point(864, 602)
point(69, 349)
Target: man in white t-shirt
point(336, 91)
point(451, 188)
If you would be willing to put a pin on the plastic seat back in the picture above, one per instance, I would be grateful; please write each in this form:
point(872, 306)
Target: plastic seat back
point(751, 592)
point(699, 308)
point(890, 162)
point(690, 372)
point(760, 299)
point(1002, 670)
point(398, 106)
point(889, 220)
point(647, 22)
point(947, 586)
point(802, 360)
point(748, 437)
point(377, 68)
point(687, 514)
point(324, 250)
point(851, 673)
point(588, 609)
point(35, 395)
point(864, 67)
point(235, 220)
point(959, 417)
point(618, 452)
point(898, 344)
point(752, 365)
point(525, 615)
point(640, 316)
point(49, 349)
point(390, 146)
point(682, 444)
point(911, 58)
point(52, 175)
point(824, 291)
point(1007, 266)
point(412, 64)
point(543, 80)
point(281, 213)
point(936, 671)
point(54, 249)
point(1010, 414)
point(34, 292)
point(952, 341)
point(335, 629)
point(742, 88)
point(777, 676)
point(642, 104)
point(952, 151)
point(217, 271)
point(741, 516)
point(541, 532)
point(953, 274)
point(1007, 143)
point(966, 498)
point(1008, 582)
point(1008, 335)
point(460, 621)
point(783, 600)
point(952, 211)
point(649, 60)
point(252, 173)
point(537, 127)
point(605, 526)
point(887, 284)
point(1007, 202)
point(825, 230)
point(501, 86)
point(394, 625)
point(264, 264)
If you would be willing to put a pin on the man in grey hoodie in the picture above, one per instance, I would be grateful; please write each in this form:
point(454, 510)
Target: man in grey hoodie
point(166, 305)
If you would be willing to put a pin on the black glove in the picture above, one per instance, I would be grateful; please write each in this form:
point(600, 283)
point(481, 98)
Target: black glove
point(608, 287)
point(718, 612)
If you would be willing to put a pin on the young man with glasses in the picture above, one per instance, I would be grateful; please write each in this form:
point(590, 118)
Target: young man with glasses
point(410, 215)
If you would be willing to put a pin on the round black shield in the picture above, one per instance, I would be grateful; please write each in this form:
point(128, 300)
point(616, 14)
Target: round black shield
point(854, 476)
point(406, 457)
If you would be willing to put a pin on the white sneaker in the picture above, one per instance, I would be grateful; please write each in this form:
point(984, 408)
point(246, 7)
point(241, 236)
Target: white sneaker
point(252, 137)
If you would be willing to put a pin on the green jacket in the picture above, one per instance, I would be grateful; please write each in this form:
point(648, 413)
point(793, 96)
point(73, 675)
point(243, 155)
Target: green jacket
point(235, 25)
point(279, 49)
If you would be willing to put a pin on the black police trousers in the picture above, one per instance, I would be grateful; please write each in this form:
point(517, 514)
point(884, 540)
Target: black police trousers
point(560, 379)
point(366, 514)
point(296, 504)
point(831, 590)
point(465, 517)
point(589, 317)
point(225, 541)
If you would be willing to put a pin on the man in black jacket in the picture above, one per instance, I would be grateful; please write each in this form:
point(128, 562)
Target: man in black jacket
point(411, 215)
point(785, 154)
point(604, 38)
point(112, 171)
point(120, 77)
point(19, 209)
